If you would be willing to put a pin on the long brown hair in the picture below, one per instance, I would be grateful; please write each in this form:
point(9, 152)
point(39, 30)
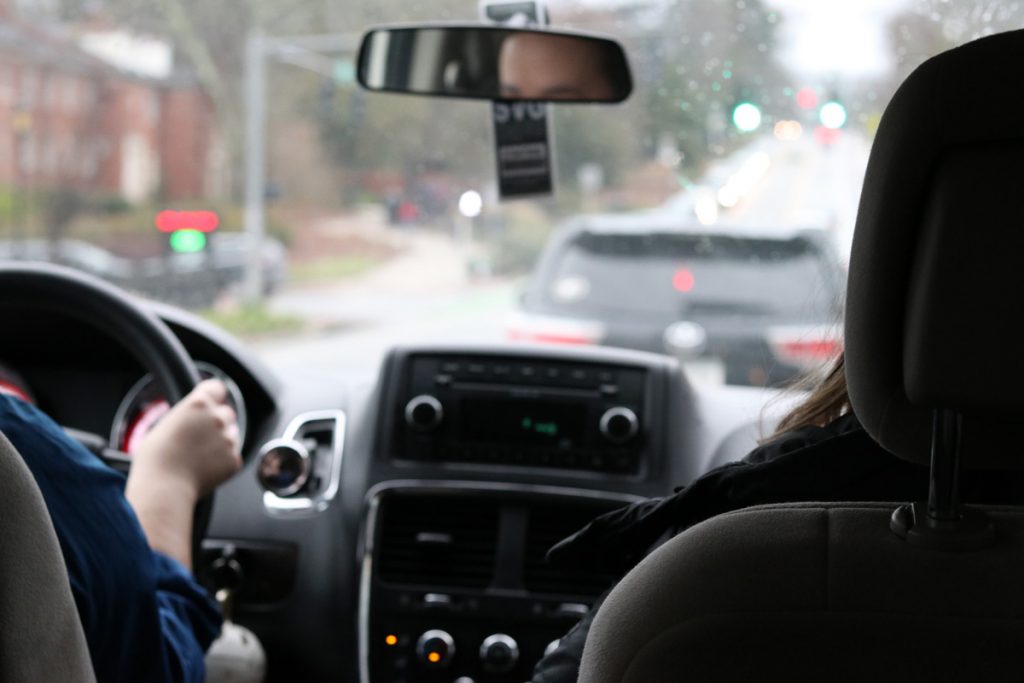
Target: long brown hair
point(827, 401)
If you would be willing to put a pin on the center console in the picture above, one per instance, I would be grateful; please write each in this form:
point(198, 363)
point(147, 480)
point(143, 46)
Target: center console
point(525, 412)
point(456, 586)
point(483, 460)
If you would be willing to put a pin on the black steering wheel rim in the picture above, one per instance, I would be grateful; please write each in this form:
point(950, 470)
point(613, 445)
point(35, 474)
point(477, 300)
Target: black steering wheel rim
point(142, 334)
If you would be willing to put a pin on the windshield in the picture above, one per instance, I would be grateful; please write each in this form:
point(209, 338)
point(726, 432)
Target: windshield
point(220, 156)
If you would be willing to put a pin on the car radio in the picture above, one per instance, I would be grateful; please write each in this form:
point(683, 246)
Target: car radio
point(521, 412)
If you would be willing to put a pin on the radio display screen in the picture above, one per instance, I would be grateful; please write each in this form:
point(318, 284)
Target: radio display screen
point(526, 423)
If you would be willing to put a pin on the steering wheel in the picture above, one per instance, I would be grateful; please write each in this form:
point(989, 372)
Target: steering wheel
point(143, 335)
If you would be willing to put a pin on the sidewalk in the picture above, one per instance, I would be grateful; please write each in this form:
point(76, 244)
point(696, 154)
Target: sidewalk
point(427, 269)
point(424, 259)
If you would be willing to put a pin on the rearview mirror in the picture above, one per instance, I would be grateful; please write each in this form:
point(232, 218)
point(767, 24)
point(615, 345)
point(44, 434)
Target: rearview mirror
point(494, 63)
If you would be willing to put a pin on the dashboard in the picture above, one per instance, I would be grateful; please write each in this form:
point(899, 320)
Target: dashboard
point(409, 544)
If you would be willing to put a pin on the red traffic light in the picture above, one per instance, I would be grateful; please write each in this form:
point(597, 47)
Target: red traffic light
point(173, 221)
point(806, 97)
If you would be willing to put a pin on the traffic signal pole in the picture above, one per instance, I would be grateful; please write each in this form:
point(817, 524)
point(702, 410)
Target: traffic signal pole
point(255, 163)
point(306, 52)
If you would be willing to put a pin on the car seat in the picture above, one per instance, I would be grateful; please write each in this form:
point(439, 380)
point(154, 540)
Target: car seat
point(929, 591)
point(41, 637)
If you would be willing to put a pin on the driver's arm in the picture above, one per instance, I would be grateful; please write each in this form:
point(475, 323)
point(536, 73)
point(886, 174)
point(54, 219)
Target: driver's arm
point(192, 450)
point(145, 618)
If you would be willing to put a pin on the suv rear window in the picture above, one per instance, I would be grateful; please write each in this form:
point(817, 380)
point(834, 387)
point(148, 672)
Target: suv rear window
point(695, 274)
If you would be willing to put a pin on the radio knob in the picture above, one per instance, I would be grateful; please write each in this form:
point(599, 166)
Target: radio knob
point(499, 653)
point(619, 425)
point(435, 649)
point(424, 413)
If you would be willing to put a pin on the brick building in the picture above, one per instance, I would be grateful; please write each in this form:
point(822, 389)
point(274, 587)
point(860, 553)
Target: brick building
point(69, 119)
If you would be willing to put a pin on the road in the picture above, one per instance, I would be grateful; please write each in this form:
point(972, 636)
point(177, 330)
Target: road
point(425, 295)
point(807, 184)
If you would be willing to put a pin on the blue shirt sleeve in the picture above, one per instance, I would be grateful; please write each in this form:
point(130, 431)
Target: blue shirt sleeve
point(145, 617)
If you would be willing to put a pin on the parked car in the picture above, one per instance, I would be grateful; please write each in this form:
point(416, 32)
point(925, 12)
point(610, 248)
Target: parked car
point(190, 280)
point(747, 306)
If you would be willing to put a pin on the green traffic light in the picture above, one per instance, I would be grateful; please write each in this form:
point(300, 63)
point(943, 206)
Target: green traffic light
point(746, 117)
point(187, 241)
point(832, 115)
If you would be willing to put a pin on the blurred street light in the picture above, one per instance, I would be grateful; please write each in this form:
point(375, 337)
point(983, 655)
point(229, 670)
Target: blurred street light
point(746, 117)
point(788, 130)
point(832, 115)
point(471, 204)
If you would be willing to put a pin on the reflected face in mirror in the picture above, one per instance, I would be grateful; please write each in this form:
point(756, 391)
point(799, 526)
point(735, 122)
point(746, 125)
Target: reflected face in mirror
point(270, 467)
point(534, 66)
point(485, 62)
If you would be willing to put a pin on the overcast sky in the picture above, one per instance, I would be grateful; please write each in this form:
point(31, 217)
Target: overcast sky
point(842, 37)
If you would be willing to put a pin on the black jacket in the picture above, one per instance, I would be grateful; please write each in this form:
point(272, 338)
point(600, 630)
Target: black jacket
point(838, 462)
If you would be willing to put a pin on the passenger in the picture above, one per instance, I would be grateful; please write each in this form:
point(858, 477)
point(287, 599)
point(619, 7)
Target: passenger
point(127, 544)
point(539, 66)
point(819, 452)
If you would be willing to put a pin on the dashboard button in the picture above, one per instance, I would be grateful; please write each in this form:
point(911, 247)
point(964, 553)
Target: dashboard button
point(580, 377)
point(424, 413)
point(435, 649)
point(499, 653)
point(437, 600)
point(576, 610)
point(619, 425)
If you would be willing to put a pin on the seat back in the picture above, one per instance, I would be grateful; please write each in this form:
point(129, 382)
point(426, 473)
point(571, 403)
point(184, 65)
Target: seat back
point(813, 592)
point(41, 637)
point(853, 591)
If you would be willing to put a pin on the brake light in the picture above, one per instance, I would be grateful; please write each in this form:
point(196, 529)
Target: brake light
point(549, 338)
point(820, 349)
point(806, 347)
point(551, 330)
point(683, 280)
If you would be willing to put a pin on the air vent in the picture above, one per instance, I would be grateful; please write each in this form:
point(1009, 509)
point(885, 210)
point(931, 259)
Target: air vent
point(318, 438)
point(322, 433)
point(437, 542)
point(548, 525)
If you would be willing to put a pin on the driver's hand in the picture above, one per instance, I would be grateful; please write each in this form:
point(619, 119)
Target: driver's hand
point(195, 444)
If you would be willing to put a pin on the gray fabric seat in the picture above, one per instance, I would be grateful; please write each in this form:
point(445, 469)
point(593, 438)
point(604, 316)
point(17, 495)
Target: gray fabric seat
point(41, 637)
point(848, 591)
point(822, 592)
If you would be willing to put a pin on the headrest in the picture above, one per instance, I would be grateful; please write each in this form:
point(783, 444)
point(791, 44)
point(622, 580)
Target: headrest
point(937, 268)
